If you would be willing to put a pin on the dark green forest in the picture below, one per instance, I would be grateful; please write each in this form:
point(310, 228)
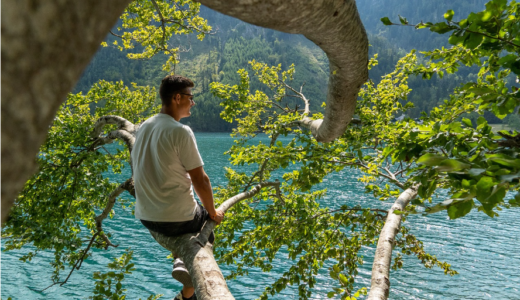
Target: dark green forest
point(234, 43)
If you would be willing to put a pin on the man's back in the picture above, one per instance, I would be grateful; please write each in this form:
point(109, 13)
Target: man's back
point(163, 152)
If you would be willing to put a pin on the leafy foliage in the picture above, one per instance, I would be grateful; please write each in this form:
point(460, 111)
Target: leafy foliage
point(56, 209)
point(313, 236)
point(469, 159)
point(151, 25)
point(106, 282)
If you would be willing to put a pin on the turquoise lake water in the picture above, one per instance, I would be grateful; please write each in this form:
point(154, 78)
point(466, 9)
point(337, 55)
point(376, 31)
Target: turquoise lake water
point(483, 250)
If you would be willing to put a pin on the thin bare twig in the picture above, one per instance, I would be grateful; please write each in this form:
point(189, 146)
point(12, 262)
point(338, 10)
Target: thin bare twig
point(76, 266)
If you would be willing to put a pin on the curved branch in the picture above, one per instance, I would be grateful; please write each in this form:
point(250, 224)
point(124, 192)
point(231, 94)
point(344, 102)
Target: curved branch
point(197, 254)
point(300, 95)
point(126, 132)
point(336, 28)
point(125, 136)
point(380, 284)
point(122, 124)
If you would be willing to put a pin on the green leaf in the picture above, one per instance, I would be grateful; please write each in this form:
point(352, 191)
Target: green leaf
point(512, 163)
point(403, 20)
point(476, 171)
point(450, 165)
point(496, 196)
point(516, 201)
point(386, 21)
point(481, 120)
point(423, 25)
point(441, 28)
point(343, 279)
point(473, 40)
point(467, 122)
point(460, 208)
point(507, 60)
point(484, 184)
point(449, 15)
point(430, 159)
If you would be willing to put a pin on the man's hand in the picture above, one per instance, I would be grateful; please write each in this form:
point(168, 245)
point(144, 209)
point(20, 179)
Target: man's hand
point(218, 216)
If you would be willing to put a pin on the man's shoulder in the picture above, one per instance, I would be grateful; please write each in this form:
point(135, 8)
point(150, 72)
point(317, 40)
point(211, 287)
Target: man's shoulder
point(165, 123)
point(182, 131)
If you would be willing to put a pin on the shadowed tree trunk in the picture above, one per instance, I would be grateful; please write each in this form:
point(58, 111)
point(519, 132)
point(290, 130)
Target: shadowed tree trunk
point(47, 44)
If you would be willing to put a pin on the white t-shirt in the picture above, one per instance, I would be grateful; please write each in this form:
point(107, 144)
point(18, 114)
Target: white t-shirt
point(163, 152)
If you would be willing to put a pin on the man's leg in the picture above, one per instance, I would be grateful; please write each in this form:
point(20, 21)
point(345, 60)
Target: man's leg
point(179, 272)
point(186, 291)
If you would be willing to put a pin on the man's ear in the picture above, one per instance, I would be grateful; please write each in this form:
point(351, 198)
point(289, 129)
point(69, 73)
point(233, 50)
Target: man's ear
point(173, 99)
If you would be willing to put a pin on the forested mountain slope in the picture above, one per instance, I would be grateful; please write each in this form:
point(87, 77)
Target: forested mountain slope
point(234, 43)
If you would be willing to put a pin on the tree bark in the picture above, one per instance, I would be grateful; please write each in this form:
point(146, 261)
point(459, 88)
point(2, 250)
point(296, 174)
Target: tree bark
point(380, 284)
point(197, 253)
point(335, 26)
point(45, 47)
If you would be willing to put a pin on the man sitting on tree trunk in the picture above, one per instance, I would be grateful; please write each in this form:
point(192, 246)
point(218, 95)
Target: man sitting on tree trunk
point(166, 162)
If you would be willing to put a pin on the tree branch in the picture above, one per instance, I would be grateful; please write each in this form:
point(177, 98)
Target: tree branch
point(380, 284)
point(301, 96)
point(197, 254)
point(78, 263)
point(337, 29)
point(122, 124)
point(162, 20)
point(110, 204)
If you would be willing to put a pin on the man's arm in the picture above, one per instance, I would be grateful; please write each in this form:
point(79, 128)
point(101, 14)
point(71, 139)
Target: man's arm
point(202, 187)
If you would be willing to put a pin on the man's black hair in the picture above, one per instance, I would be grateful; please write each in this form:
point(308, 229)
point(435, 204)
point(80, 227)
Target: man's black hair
point(171, 85)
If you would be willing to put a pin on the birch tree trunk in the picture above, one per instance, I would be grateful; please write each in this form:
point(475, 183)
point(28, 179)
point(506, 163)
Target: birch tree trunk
point(335, 26)
point(380, 284)
point(45, 47)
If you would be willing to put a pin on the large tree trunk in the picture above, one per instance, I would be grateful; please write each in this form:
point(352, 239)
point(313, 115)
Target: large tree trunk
point(45, 47)
point(380, 284)
point(335, 26)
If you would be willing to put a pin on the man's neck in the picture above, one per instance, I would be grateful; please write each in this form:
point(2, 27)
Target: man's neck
point(170, 112)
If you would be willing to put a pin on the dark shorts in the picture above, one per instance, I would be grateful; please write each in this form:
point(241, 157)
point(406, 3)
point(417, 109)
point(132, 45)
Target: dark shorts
point(180, 228)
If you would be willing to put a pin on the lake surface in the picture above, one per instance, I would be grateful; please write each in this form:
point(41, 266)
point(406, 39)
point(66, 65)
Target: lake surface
point(483, 250)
